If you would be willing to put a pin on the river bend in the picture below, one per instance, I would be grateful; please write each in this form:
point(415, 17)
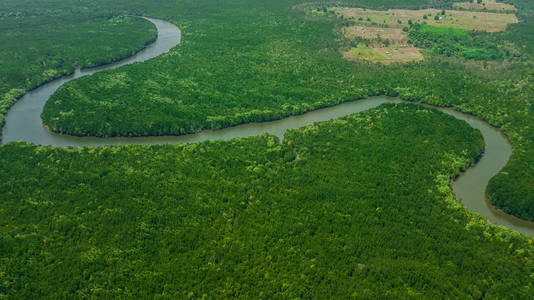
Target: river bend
point(23, 123)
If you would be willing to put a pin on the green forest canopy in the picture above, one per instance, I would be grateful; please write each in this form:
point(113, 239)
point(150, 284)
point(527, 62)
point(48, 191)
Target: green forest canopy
point(37, 49)
point(365, 210)
point(242, 61)
point(259, 62)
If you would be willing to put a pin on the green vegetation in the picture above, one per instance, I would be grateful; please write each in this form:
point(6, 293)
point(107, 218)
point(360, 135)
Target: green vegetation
point(364, 211)
point(365, 53)
point(451, 41)
point(248, 65)
point(37, 49)
point(452, 32)
point(447, 34)
point(246, 61)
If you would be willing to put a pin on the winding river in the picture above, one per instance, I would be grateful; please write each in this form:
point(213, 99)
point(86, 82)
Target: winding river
point(23, 122)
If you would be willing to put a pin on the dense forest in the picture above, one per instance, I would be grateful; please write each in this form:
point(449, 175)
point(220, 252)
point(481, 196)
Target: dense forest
point(37, 49)
point(365, 210)
point(265, 61)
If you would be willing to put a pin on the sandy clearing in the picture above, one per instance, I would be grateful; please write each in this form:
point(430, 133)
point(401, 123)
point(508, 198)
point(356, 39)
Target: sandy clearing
point(471, 20)
point(486, 4)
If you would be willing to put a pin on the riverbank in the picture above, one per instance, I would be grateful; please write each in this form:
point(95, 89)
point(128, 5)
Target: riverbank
point(24, 123)
point(33, 58)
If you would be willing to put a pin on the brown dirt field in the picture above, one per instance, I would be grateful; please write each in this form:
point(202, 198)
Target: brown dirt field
point(384, 55)
point(395, 35)
point(471, 20)
point(488, 4)
point(388, 25)
point(400, 55)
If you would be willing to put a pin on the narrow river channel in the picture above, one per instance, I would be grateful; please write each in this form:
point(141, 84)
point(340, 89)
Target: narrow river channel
point(23, 123)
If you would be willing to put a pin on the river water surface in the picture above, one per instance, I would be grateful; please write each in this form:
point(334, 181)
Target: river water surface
point(23, 123)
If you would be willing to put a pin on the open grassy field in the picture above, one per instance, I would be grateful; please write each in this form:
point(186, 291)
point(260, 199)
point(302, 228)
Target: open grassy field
point(393, 34)
point(383, 29)
point(384, 55)
point(486, 4)
point(471, 20)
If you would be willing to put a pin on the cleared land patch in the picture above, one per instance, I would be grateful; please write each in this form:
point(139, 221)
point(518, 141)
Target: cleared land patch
point(384, 35)
point(395, 35)
point(472, 20)
point(385, 55)
point(485, 4)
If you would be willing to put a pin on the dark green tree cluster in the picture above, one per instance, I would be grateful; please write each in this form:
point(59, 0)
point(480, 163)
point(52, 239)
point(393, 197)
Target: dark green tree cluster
point(38, 49)
point(365, 211)
point(360, 213)
point(245, 63)
point(449, 41)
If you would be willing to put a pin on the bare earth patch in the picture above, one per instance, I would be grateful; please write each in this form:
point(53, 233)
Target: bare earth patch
point(486, 4)
point(384, 55)
point(385, 40)
point(471, 20)
point(395, 35)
